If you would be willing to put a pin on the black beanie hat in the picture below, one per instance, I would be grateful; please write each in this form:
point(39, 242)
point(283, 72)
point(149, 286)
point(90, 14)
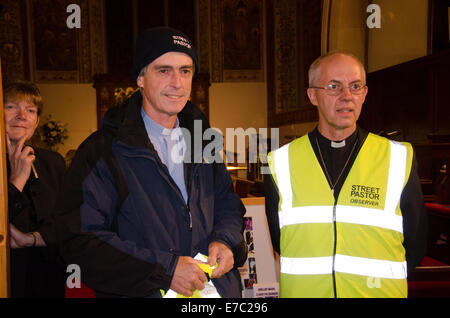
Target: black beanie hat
point(154, 42)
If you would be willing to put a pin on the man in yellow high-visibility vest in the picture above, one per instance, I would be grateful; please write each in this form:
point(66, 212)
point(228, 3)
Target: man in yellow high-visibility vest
point(345, 207)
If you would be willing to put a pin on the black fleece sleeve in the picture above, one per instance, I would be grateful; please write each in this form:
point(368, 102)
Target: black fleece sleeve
point(414, 219)
point(17, 202)
point(272, 199)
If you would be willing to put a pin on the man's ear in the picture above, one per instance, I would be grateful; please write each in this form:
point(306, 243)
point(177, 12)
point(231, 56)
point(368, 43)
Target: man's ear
point(140, 81)
point(312, 96)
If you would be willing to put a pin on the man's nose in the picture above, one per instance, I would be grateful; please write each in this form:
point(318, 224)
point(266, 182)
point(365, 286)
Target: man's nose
point(346, 93)
point(175, 79)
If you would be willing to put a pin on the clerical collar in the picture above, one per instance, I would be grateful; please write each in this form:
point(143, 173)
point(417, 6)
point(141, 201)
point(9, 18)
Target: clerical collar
point(155, 129)
point(337, 144)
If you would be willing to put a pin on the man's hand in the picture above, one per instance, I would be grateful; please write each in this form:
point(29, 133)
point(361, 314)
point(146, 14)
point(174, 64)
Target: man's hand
point(20, 160)
point(222, 255)
point(19, 239)
point(188, 276)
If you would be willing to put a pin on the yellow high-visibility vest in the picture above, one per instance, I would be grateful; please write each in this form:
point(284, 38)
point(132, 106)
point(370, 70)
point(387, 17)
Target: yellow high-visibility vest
point(349, 247)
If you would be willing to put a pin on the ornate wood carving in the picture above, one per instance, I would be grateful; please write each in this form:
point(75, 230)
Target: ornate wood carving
point(36, 43)
point(237, 40)
point(13, 41)
point(293, 42)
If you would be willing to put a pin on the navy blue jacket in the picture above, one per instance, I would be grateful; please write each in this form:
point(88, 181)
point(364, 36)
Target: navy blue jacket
point(125, 222)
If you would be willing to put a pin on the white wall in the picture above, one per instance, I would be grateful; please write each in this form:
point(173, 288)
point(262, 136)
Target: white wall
point(73, 104)
point(347, 29)
point(238, 105)
point(403, 35)
point(234, 105)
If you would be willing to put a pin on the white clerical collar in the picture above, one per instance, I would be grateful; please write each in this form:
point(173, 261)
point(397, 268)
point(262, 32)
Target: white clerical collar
point(338, 144)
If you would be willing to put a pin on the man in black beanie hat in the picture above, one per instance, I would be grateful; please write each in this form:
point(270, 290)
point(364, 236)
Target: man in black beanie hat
point(130, 215)
point(164, 66)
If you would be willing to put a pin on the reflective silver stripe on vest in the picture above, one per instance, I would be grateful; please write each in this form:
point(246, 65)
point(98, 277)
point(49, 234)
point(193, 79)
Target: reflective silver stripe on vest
point(396, 178)
point(344, 264)
point(281, 159)
point(371, 217)
point(306, 265)
point(386, 218)
point(344, 214)
point(307, 214)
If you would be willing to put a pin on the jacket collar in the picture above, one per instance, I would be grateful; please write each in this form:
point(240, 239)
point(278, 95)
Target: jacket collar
point(132, 129)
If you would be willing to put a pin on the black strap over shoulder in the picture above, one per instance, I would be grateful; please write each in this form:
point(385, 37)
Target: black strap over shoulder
point(120, 182)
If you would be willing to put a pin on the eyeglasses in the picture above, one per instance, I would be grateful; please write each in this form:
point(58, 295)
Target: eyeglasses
point(335, 89)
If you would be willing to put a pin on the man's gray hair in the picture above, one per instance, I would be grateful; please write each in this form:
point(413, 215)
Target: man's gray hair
point(314, 69)
point(142, 73)
point(143, 70)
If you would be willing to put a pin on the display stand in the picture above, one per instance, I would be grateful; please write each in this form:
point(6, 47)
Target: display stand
point(259, 274)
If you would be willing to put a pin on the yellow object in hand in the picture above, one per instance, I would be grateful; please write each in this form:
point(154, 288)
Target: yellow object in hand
point(209, 290)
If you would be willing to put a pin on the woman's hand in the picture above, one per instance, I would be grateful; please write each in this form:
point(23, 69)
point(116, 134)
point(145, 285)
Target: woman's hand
point(19, 239)
point(20, 161)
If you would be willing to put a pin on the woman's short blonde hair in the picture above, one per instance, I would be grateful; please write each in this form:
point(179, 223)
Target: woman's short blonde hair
point(27, 91)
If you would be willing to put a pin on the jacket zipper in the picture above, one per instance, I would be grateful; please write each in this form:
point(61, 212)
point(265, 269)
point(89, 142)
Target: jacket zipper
point(194, 169)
